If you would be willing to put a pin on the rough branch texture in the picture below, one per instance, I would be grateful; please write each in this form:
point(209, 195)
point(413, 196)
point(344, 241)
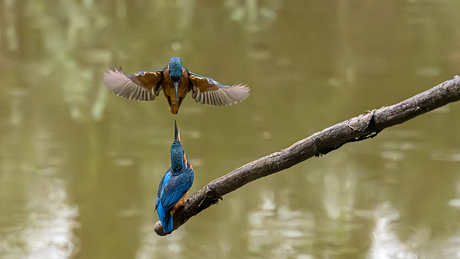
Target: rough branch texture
point(355, 129)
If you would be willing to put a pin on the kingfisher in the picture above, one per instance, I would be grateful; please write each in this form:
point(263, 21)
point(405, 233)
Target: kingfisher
point(174, 185)
point(175, 81)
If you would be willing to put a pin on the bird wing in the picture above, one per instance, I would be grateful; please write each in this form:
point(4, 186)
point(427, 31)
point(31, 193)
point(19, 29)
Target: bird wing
point(208, 91)
point(163, 182)
point(142, 86)
point(176, 188)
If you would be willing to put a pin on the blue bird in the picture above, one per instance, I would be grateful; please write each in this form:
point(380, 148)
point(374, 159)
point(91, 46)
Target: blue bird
point(175, 81)
point(174, 185)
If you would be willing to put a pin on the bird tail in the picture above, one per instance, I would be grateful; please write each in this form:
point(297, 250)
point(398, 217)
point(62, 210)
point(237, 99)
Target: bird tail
point(165, 218)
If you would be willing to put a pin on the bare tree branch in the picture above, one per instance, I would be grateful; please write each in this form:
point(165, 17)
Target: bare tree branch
point(355, 129)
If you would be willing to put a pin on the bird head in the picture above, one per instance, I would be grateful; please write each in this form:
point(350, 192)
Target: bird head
point(177, 153)
point(175, 72)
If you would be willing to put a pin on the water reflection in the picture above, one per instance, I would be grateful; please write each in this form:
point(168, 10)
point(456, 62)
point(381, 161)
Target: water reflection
point(386, 242)
point(279, 232)
point(171, 246)
point(49, 229)
point(40, 216)
point(389, 241)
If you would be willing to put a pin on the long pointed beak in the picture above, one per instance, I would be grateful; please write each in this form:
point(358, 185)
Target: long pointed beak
point(176, 88)
point(176, 132)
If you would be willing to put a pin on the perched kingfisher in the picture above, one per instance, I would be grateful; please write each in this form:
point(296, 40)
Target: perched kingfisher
point(175, 81)
point(174, 185)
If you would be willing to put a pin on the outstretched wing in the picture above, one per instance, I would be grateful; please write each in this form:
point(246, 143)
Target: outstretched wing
point(208, 91)
point(176, 188)
point(142, 86)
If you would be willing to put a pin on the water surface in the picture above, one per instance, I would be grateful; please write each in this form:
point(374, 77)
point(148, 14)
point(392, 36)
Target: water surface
point(79, 167)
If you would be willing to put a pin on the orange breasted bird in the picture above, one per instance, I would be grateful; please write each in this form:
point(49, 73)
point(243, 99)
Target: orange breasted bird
point(174, 185)
point(175, 81)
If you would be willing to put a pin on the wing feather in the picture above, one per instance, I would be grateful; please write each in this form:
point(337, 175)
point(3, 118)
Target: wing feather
point(176, 188)
point(163, 182)
point(142, 86)
point(208, 91)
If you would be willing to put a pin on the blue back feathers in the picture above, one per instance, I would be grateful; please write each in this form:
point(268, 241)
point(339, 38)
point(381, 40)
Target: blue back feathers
point(175, 67)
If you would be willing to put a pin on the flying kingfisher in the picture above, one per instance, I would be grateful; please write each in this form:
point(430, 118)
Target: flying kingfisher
point(175, 81)
point(174, 185)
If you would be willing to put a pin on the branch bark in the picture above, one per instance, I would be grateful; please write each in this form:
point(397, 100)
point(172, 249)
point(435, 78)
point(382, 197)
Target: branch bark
point(364, 126)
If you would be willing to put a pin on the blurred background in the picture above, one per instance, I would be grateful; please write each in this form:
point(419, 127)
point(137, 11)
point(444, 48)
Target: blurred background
point(80, 167)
